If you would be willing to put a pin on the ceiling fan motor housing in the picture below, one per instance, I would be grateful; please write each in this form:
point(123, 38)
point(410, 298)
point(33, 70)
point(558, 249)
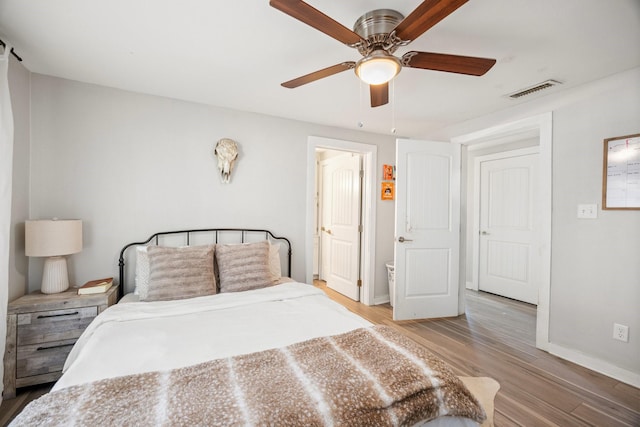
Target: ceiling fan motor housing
point(376, 29)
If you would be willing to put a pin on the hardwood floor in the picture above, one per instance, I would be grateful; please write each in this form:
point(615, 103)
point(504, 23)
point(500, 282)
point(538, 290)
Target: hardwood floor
point(496, 338)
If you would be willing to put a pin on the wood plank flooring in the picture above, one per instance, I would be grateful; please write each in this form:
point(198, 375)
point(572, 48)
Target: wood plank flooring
point(496, 338)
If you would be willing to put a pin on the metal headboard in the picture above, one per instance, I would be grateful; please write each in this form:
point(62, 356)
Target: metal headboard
point(216, 232)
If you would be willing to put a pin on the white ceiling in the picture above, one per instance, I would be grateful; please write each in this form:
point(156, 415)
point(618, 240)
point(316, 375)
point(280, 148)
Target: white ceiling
point(235, 54)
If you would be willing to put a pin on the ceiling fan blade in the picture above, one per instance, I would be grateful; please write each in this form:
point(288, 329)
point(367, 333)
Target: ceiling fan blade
point(318, 20)
point(379, 94)
point(320, 74)
point(450, 63)
point(425, 16)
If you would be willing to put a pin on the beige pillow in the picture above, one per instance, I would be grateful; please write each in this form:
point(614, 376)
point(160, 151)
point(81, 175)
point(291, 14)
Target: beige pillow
point(179, 273)
point(243, 267)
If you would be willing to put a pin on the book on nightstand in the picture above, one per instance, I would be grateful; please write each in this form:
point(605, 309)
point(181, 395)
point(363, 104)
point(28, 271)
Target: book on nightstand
point(96, 286)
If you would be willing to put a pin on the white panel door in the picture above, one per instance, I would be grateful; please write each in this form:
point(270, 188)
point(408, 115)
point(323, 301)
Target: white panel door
point(509, 261)
point(341, 224)
point(427, 229)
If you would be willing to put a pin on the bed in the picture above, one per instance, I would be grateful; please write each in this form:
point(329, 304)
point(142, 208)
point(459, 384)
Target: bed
point(214, 333)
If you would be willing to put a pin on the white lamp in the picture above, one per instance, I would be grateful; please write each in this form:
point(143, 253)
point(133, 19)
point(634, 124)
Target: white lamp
point(378, 67)
point(53, 238)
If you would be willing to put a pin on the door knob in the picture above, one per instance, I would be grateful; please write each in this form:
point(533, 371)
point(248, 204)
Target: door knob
point(325, 230)
point(485, 233)
point(402, 240)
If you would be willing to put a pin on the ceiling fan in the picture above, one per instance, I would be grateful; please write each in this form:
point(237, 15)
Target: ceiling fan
point(377, 35)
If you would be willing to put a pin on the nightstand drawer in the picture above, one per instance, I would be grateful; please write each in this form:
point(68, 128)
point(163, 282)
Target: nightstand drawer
point(55, 325)
point(41, 359)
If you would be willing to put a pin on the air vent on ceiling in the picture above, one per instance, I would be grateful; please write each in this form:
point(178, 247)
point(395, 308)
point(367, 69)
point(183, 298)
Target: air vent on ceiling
point(533, 89)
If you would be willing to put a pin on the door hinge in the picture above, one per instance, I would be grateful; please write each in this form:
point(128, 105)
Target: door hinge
point(360, 228)
point(359, 283)
point(362, 174)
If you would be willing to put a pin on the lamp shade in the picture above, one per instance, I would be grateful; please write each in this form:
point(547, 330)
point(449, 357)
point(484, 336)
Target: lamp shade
point(378, 68)
point(53, 237)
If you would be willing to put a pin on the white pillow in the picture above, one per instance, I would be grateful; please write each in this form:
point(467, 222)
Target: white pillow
point(274, 261)
point(142, 272)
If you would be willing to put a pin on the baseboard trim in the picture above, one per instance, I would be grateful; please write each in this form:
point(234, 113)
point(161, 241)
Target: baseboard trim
point(605, 368)
point(384, 299)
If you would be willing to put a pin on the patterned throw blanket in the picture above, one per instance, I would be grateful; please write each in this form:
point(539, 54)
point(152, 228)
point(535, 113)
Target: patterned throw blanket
point(367, 377)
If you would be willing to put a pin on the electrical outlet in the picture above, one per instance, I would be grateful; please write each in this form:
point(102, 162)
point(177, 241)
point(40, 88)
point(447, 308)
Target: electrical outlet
point(621, 332)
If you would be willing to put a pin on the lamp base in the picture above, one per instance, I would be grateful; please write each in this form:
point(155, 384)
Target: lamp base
point(55, 277)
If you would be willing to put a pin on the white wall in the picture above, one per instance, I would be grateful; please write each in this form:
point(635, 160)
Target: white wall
point(596, 263)
point(129, 165)
point(595, 277)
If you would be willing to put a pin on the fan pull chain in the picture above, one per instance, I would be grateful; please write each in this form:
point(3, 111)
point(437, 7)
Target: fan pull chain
point(360, 124)
point(393, 106)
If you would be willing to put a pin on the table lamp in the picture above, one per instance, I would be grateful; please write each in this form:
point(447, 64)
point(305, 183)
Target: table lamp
point(53, 238)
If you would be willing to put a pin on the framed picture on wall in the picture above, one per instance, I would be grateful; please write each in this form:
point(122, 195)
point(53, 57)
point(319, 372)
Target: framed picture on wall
point(621, 173)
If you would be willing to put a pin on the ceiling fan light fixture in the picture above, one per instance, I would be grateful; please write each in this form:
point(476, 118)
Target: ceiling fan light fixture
point(378, 68)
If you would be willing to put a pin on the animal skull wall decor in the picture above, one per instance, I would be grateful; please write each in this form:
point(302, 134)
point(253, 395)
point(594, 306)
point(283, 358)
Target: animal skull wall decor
point(227, 152)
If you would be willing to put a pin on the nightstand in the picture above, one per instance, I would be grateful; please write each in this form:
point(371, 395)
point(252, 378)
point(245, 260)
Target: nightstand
point(41, 329)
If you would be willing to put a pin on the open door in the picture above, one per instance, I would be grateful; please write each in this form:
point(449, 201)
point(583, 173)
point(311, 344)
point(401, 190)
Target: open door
point(340, 224)
point(427, 229)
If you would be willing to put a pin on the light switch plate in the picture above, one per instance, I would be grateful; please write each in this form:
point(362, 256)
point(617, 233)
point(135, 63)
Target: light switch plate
point(588, 211)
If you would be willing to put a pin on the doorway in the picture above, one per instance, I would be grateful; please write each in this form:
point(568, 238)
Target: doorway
point(368, 155)
point(494, 138)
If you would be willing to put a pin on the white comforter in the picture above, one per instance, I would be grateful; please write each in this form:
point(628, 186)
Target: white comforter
point(150, 336)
